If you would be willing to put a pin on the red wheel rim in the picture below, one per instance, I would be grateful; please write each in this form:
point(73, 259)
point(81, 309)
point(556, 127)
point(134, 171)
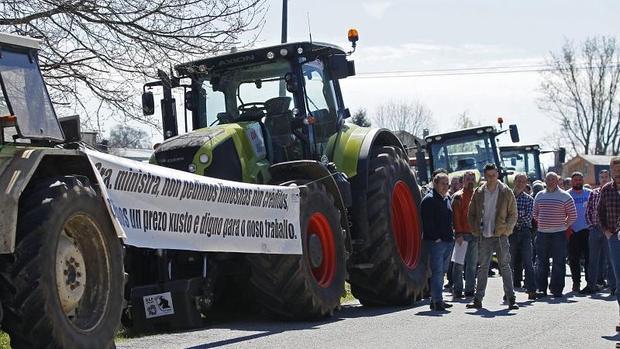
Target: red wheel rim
point(405, 224)
point(319, 227)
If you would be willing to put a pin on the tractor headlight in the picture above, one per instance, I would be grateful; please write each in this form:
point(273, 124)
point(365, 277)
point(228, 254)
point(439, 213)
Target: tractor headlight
point(204, 158)
point(191, 168)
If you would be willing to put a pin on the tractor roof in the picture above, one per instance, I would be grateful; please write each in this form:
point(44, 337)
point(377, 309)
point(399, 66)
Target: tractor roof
point(258, 55)
point(18, 41)
point(461, 133)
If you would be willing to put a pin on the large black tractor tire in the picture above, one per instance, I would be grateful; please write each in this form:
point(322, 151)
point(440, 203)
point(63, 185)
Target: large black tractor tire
point(63, 287)
point(390, 267)
point(307, 286)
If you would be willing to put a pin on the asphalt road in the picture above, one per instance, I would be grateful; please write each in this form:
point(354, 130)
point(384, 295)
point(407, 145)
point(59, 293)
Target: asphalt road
point(572, 322)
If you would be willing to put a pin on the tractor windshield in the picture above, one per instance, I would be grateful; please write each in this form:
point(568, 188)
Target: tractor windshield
point(522, 161)
point(247, 90)
point(463, 153)
point(25, 97)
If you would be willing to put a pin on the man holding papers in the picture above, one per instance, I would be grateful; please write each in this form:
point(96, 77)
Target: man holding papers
point(466, 244)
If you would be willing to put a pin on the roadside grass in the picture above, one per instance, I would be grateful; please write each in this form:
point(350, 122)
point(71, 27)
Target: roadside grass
point(347, 297)
point(4, 341)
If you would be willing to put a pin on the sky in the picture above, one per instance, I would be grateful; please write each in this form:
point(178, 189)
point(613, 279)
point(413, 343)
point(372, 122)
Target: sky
point(411, 35)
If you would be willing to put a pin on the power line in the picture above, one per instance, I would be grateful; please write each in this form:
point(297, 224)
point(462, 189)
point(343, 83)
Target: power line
point(538, 68)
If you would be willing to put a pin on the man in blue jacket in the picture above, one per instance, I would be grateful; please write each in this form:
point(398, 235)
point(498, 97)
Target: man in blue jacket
point(437, 226)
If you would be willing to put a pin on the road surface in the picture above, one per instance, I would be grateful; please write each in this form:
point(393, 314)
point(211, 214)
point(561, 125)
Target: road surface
point(573, 322)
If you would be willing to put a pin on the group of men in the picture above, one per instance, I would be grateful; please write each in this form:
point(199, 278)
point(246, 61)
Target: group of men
point(494, 219)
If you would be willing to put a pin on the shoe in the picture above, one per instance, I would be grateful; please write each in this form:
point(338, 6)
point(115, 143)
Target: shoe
point(612, 291)
point(512, 304)
point(504, 298)
point(469, 294)
point(437, 306)
point(446, 305)
point(576, 287)
point(476, 304)
point(586, 290)
point(532, 296)
point(617, 328)
point(457, 295)
point(541, 294)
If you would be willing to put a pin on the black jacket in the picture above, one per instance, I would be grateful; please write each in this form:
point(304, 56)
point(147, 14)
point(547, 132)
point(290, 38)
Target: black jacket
point(437, 217)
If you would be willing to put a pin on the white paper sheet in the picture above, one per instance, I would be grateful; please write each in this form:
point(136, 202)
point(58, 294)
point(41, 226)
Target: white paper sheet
point(459, 252)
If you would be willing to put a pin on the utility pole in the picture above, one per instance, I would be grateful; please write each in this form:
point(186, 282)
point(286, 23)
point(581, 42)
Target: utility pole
point(284, 19)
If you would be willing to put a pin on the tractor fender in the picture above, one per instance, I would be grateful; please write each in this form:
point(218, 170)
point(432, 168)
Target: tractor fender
point(26, 166)
point(313, 171)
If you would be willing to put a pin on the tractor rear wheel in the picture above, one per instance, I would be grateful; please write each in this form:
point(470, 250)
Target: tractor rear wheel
point(391, 249)
point(310, 285)
point(63, 287)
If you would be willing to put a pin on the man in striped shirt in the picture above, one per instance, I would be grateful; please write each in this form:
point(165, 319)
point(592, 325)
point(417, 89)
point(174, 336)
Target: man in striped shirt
point(554, 210)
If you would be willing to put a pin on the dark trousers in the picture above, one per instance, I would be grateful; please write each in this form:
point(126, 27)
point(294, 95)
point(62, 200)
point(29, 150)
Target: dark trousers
point(614, 256)
point(598, 259)
point(578, 248)
point(550, 245)
point(521, 256)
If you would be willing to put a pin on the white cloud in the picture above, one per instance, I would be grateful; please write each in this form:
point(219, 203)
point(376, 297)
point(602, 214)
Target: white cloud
point(376, 9)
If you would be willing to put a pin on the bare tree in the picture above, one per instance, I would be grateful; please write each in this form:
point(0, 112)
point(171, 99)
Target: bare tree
point(465, 121)
point(360, 118)
point(122, 136)
point(581, 92)
point(410, 116)
point(96, 54)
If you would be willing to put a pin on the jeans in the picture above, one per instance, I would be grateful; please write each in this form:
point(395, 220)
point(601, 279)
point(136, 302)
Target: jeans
point(551, 245)
point(521, 252)
point(471, 262)
point(578, 248)
point(599, 251)
point(486, 247)
point(614, 256)
point(440, 253)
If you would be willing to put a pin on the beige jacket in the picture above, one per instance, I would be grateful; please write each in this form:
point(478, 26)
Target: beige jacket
point(505, 211)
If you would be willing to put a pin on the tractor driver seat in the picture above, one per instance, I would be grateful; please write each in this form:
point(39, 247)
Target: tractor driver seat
point(465, 164)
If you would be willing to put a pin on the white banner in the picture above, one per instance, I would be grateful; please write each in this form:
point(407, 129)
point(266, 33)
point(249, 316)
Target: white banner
point(158, 207)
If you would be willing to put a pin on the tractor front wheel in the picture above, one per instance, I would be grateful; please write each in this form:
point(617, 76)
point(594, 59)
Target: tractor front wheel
point(63, 287)
point(392, 250)
point(310, 285)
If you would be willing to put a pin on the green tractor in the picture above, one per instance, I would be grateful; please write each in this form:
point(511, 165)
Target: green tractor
point(523, 158)
point(463, 150)
point(276, 115)
point(61, 260)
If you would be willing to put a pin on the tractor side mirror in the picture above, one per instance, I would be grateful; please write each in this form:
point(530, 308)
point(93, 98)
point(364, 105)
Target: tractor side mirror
point(514, 133)
point(562, 155)
point(513, 162)
point(188, 100)
point(71, 128)
point(148, 103)
point(340, 67)
point(291, 83)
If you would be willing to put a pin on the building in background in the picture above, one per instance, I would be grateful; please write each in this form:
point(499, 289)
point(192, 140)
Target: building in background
point(589, 165)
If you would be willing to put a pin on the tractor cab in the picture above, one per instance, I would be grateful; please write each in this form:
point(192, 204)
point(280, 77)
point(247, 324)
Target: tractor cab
point(467, 149)
point(26, 111)
point(523, 158)
point(288, 94)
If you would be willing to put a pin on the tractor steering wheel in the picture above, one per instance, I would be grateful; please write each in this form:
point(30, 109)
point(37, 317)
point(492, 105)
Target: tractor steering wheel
point(252, 106)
